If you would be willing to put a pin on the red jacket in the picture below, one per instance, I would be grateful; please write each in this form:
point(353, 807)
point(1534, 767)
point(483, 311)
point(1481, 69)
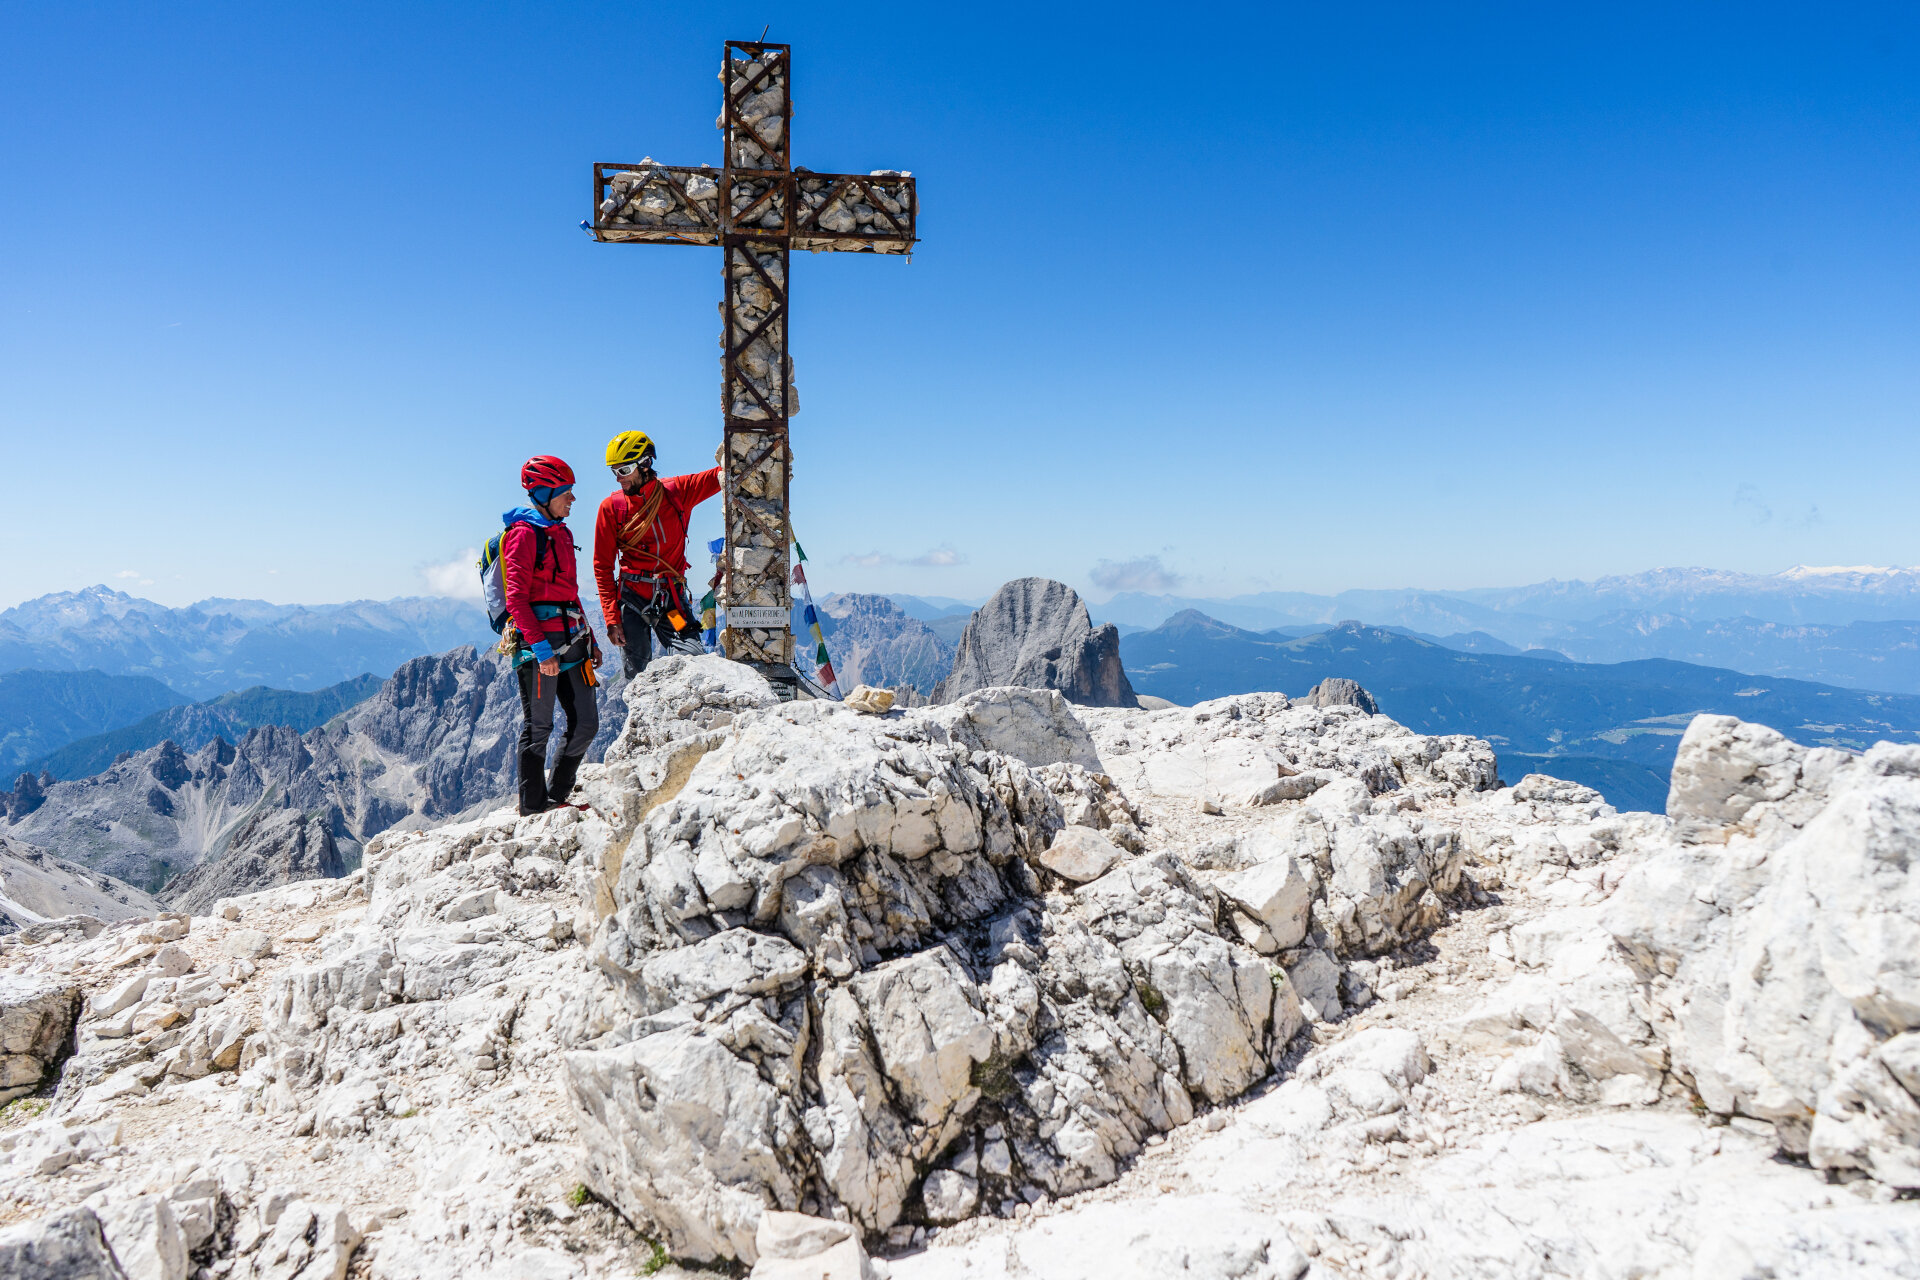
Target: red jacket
point(554, 581)
point(621, 532)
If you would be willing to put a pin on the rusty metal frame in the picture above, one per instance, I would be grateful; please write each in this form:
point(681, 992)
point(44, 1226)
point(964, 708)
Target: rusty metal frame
point(751, 442)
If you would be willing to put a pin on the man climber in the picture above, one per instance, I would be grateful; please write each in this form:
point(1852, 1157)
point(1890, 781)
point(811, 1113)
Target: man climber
point(643, 527)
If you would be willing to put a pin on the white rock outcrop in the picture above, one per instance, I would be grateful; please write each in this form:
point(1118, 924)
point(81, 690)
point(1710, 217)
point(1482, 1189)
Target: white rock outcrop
point(1779, 940)
point(1010, 987)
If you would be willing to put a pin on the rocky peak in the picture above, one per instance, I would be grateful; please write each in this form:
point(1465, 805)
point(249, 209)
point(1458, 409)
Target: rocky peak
point(873, 642)
point(1011, 987)
point(1337, 691)
point(28, 794)
point(275, 846)
point(1036, 633)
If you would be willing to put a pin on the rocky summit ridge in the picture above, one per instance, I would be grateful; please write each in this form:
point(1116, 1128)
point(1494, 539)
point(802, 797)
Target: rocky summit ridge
point(1012, 987)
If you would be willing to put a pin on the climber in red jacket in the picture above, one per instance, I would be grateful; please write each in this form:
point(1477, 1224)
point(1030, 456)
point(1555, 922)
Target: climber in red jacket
point(642, 532)
point(556, 653)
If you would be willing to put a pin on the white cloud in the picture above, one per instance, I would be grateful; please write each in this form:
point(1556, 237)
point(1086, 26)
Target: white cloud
point(127, 573)
point(457, 577)
point(1143, 574)
point(938, 558)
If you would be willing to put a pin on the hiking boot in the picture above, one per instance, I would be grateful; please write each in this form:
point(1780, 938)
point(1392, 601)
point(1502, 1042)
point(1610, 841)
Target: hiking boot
point(562, 784)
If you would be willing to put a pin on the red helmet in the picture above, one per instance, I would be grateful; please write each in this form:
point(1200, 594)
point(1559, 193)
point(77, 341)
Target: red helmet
point(545, 472)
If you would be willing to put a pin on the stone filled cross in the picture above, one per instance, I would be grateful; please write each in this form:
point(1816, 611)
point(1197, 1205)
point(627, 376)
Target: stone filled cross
point(756, 207)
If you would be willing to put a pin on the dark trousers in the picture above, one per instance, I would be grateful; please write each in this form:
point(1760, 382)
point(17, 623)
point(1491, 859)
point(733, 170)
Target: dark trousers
point(642, 622)
point(538, 693)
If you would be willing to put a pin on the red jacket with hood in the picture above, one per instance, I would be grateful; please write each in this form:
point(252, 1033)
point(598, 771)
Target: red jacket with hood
point(553, 581)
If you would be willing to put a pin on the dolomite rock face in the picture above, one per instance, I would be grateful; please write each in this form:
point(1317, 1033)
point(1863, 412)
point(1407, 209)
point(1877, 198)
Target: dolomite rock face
point(277, 846)
point(35, 887)
point(845, 963)
point(1036, 633)
point(1336, 691)
point(36, 1015)
point(874, 643)
point(799, 985)
point(1780, 941)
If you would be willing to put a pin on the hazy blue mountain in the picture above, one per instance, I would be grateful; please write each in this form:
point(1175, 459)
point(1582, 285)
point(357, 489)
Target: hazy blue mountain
point(1631, 711)
point(1856, 655)
point(219, 645)
point(436, 740)
point(951, 627)
point(1430, 612)
point(229, 716)
point(1801, 594)
point(1853, 627)
point(44, 710)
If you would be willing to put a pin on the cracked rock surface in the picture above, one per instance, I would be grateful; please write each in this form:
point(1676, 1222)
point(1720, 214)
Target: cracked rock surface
point(1009, 987)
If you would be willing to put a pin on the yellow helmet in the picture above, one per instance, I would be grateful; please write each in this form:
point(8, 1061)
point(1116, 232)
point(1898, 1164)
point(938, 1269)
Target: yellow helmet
point(629, 446)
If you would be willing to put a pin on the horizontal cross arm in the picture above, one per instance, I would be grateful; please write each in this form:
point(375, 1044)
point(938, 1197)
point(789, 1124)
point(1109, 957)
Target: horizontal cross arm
point(652, 203)
point(656, 203)
point(875, 212)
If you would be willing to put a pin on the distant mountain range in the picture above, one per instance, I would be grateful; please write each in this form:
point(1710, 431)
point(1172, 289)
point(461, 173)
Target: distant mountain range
point(219, 646)
point(1554, 713)
point(436, 740)
point(1854, 627)
point(43, 710)
point(1592, 680)
point(230, 716)
point(1802, 594)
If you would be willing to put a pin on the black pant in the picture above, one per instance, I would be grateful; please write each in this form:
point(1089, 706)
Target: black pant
point(640, 619)
point(537, 696)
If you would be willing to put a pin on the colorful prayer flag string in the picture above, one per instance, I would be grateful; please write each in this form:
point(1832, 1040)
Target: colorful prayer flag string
point(710, 603)
point(825, 674)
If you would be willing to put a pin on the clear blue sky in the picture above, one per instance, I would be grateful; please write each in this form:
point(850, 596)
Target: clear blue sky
point(1296, 297)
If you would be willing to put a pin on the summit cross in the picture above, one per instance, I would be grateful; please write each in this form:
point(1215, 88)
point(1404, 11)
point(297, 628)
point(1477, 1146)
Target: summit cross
point(756, 207)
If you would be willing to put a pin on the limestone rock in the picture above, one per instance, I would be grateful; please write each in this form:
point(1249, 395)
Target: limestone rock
point(62, 1246)
point(794, 960)
point(1336, 691)
point(276, 847)
point(36, 1015)
point(873, 701)
point(1036, 633)
point(949, 1195)
point(794, 1246)
point(1277, 893)
point(146, 1238)
point(36, 887)
point(1037, 727)
point(1078, 855)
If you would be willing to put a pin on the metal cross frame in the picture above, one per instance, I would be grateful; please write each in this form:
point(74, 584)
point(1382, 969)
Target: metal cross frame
point(757, 208)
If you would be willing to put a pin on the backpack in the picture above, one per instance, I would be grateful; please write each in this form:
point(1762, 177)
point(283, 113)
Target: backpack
point(493, 582)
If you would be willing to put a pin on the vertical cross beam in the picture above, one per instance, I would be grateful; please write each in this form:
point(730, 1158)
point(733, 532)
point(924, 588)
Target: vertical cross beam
point(756, 373)
point(756, 208)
